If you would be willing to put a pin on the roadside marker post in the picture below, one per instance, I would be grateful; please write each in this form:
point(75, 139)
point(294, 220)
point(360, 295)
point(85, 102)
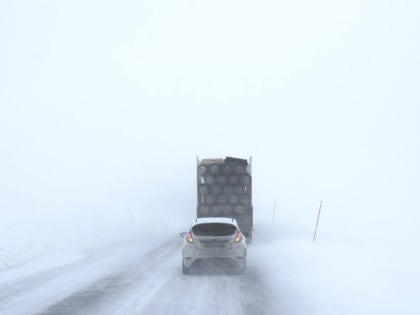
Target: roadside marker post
point(274, 212)
point(317, 221)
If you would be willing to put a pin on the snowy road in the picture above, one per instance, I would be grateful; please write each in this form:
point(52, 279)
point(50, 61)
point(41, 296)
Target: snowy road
point(150, 283)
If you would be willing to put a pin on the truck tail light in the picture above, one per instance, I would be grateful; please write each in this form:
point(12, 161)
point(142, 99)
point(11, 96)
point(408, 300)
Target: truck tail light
point(238, 237)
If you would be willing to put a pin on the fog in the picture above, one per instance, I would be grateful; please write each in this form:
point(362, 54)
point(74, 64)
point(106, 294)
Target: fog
point(105, 105)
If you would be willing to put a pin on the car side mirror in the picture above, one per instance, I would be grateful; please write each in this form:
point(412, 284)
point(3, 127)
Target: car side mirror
point(183, 234)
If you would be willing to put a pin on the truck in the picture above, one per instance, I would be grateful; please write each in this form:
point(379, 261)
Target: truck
point(224, 189)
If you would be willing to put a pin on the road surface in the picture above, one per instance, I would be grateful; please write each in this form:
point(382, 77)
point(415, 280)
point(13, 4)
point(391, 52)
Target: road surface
point(150, 283)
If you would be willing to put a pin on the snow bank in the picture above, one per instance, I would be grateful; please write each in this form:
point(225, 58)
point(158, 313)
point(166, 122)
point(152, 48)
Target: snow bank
point(28, 248)
point(25, 265)
point(21, 244)
point(338, 276)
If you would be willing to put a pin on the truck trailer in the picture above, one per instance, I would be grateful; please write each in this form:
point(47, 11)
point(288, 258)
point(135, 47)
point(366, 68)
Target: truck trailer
point(224, 189)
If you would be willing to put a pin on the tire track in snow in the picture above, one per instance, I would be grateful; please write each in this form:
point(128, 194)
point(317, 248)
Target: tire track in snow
point(106, 295)
point(155, 285)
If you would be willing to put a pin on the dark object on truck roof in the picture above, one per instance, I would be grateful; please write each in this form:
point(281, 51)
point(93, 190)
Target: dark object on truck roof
point(230, 159)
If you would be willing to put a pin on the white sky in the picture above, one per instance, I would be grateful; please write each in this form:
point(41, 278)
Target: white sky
point(107, 103)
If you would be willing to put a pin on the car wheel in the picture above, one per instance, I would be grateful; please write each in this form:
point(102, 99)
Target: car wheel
point(185, 270)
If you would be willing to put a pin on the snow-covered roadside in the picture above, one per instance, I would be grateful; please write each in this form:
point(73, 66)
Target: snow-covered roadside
point(29, 249)
point(38, 262)
point(340, 276)
point(73, 273)
point(20, 255)
point(23, 254)
point(39, 291)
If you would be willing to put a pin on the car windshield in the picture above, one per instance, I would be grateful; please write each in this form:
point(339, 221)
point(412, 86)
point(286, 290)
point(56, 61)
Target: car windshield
point(214, 229)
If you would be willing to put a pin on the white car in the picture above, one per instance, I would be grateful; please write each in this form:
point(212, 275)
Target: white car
point(214, 238)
